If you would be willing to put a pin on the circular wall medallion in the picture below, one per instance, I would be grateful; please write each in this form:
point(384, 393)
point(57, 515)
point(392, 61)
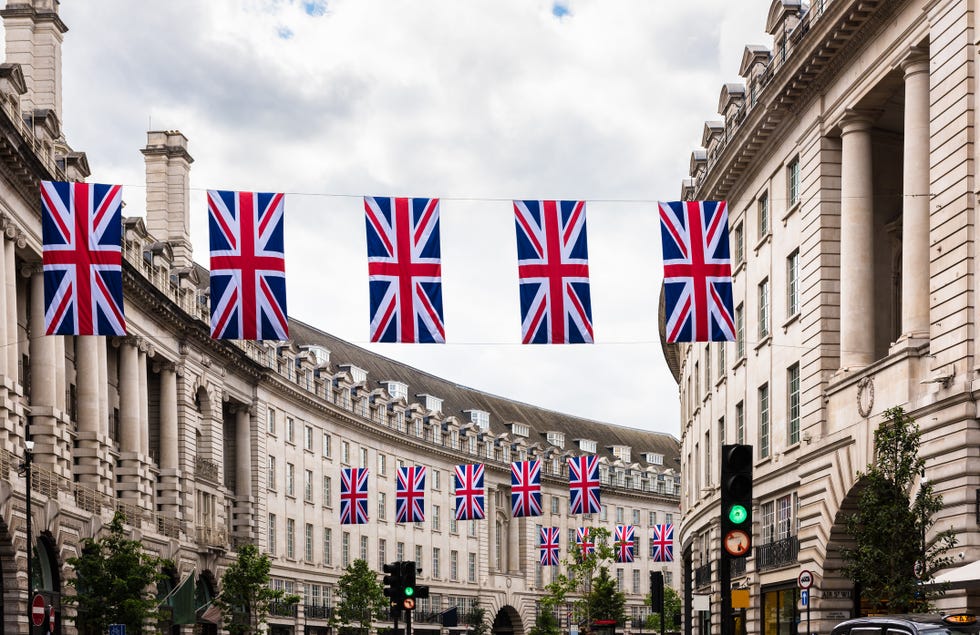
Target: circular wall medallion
point(865, 396)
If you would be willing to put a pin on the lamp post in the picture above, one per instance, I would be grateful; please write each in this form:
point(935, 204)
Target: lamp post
point(25, 468)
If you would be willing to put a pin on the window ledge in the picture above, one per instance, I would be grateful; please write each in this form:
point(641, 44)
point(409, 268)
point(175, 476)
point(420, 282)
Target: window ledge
point(792, 209)
point(763, 343)
point(738, 362)
point(721, 381)
point(738, 267)
point(762, 241)
point(790, 320)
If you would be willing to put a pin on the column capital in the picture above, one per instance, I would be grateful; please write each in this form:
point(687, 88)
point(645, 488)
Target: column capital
point(857, 120)
point(161, 364)
point(917, 61)
point(31, 269)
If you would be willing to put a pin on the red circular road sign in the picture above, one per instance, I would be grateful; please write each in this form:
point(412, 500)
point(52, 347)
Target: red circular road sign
point(51, 619)
point(37, 610)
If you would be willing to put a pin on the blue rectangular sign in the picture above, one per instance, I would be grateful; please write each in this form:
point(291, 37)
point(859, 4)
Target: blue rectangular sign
point(117, 629)
point(804, 597)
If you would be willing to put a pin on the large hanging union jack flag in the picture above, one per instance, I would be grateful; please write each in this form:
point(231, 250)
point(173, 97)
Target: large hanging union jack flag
point(404, 269)
point(470, 492)
point(81, 231)
point(624, 543)
point(549, 547)
point(662, 543)
point(248, 266)
point(697, 271)
point(583, 485)
point(553, 267)
point(525, 488)
point(585, 544)
point(410, 495)
point(353, 496)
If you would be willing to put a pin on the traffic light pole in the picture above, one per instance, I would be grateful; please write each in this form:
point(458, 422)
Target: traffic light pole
point(725, 579)
point(408, 622)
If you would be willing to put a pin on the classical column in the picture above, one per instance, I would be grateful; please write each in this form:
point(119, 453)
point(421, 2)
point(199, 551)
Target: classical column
point(514, 546)
point(856, 243)
point(10, 307)
point(103, 387)
point(168, 418)
point(243, 453)
point(89, 452)
point(129, 399)
point(47, 411)
point(915, 210)
point(144, 413)
point(4, 341)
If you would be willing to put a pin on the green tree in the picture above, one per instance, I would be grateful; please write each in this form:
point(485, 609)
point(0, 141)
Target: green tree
point(361, 597)
point(477, 620)
point(113, 578)
point(245, 596)
point(890, 557)
point(545, 623)
point(672, 611)
point(605, 600)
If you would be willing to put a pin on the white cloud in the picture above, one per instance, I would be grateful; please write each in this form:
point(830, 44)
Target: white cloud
point(478, 100)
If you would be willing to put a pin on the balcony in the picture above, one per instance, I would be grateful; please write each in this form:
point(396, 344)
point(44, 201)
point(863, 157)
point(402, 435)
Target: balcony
point(211, 536)
point(207, 470)
point(777, 554)
point(317, 612)
point(281, 609)
point(702, 576)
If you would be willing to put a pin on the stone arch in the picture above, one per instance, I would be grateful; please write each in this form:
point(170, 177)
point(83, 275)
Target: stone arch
point(839, 594)
point(507, 621)
point(14, 603)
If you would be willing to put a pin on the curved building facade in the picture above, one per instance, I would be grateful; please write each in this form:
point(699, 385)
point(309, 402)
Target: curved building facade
point(206, 445)
point(846, 152)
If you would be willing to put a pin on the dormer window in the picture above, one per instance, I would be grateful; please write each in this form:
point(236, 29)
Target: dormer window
point(432, 404)
point(587, 445)
point(480, 417)
point(357, 375)
point(397, 389)
point(320, 354)
point(622, 452)
point(520, 429)
point(556, 439)
point(653, 458)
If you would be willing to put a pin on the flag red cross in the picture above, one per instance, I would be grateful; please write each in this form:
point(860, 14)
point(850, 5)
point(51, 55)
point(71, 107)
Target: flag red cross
point(698, 270)
point(587, 546)
point(524, 488)
point(583, 486)
point(84, 257)
point(247, 260)
point(353, 496)
point(404, 268)
point(553, 269)
point(662, 542)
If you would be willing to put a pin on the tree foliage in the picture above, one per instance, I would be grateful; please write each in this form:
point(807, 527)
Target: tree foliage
point(361, 597)
point(672, 611)
point(891, 558)
point(113, 578)
point(545, 623)
point(245, 596)
point(477, 620)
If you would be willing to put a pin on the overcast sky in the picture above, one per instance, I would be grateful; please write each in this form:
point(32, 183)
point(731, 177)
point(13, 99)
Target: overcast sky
point(476, 102)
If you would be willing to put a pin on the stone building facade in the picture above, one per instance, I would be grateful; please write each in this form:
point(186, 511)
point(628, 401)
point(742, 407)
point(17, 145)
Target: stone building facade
point(206, 445)
point(846, 153)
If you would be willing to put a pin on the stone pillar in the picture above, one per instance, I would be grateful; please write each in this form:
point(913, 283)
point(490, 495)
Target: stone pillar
point(5, 379)
point(103, 387)
point(94, 462)
point(856, 243)
point(915, 210)
point(144, 413)
point(514, 546)
point(12, 348)
point(129, 400)
point(243, 472)
point(34, 34)
point(168, 165)
point(169, 458)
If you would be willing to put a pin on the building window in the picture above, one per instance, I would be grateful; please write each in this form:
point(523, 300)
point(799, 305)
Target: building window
point(364, 457)
point(619, 515)
point(453, 524)
point(400, 551)
point(345, 452)
point(382, 551)
point(793, 181)
point(619, 580)
point(636, 581)
point(793, 403)
point(290, 538)
point(418, 555)
point(327, 546)
point(327, 492)
point(436, 480)
point(739, 332)
point(768, 522)
point(289, 429)
point(309, 542)
point(290, 480)
point(364, 548)
point(436, 525)
point(793, 284)
point(763, 209)
point(764, 421)
point(722, 349)
point(453, 565)
point(707, 367)
point(308, 486)
point(764, 309)
point(382, 506)
point(345, 549)
point(784, 517)
point(435, 563)
point(382, 464)
point(471, 567)
point(652, 519)
point(740, 423)
point(272, 472)
point(636, 517)
point(308, 438)
point(554, 505)
point(327, 441)
point(270, 421)
point(272, 534)
point(738, 238)
point(707, 457)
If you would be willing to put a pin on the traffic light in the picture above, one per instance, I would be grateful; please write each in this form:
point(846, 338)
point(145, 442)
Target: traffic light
point(657, 591)
point(736, 500)
point(393, 583)
point(409, 590)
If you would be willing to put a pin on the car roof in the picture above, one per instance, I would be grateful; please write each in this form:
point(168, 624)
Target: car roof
point(915, 623)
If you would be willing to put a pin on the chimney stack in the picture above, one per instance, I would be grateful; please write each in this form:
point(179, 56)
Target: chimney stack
point(34, 34)
point(168, 166)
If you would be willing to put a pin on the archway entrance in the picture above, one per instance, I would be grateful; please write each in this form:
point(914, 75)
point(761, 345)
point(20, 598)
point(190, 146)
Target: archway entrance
point(507, 622)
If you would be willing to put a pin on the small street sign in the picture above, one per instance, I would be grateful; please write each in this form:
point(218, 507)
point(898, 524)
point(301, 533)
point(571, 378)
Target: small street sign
point(805, 597)
point(38, 606)
point(117, 629)
point(51, 619)
point(805, 580)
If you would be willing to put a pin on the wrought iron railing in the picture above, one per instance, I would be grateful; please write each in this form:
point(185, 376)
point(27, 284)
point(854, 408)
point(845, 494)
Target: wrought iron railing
point(317, 612)
point(778, 554)
point(702, 576)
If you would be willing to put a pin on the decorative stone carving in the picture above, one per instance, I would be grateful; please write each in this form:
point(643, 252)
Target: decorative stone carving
point(865, 396)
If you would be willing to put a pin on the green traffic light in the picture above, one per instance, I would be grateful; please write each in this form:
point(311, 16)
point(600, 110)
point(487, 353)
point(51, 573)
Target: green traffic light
point(737, 514)
point(409, 591)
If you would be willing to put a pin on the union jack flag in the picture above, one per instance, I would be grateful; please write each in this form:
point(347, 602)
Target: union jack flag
point(470, 492)
point(81, 231)
point(697, 271)
point(404, 269)
point(553, 267)
point(583, 485)
point(586, 545)
point(549, 546)
point(624, 543)
point(662, 543)
point(353, 496)
point(410, 495)
point(525, 488)
point(248, 266)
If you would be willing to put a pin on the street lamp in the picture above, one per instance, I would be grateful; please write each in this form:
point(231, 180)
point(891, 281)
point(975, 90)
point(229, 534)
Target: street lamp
point(25, 469)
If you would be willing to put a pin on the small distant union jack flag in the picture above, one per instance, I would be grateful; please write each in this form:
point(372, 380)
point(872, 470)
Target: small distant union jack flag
point(404, 269)
point(525, 488)
point(583, 485)
point(585, 544)
point(410, 495)
point(353, 496)
point(81, 231)
point(470, 492)
point(553, 267)
point(248, 266)
point(662, 543)
point(697, 271)
point(549, 546)
point(624, 543)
